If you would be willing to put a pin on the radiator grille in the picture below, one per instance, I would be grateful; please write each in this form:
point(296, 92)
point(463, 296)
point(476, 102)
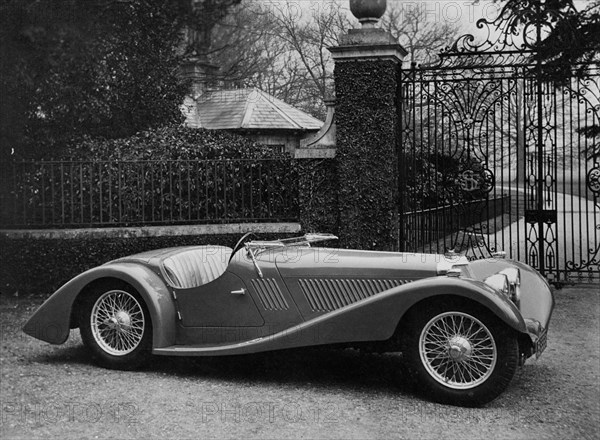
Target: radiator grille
point(541, 343)
point(332, 294)
point(270, 295)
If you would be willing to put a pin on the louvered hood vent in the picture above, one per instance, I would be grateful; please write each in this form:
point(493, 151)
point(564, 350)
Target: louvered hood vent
point(270, 295)
point(331, 294)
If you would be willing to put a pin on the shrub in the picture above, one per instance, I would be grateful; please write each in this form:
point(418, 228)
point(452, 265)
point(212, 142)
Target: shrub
point(169, 143)
point(40, 266)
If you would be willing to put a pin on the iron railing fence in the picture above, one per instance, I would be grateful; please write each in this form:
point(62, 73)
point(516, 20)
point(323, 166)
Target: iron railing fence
point(67, 194)
point(435, 229)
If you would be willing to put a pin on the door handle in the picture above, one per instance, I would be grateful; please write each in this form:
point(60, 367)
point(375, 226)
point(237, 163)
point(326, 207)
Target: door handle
point(239, 292)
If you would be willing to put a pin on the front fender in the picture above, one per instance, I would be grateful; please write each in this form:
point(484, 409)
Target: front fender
point(377, 317)
point(51, 322)
point(537, 299)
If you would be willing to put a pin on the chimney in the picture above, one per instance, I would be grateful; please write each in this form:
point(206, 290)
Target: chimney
point(199, 73)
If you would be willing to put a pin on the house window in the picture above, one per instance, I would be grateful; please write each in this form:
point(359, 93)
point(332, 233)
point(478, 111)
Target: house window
point(278, 148)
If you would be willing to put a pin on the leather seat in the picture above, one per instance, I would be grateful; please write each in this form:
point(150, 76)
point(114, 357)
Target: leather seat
point(198, 266)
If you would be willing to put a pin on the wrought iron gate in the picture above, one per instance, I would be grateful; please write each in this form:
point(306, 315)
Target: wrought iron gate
point(493, 157)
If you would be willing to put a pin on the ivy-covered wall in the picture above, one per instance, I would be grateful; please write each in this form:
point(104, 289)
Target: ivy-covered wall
point(40, 266)
point(318, 195)
point(367, 124)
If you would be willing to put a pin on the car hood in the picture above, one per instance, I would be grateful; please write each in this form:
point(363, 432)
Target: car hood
point(296, 261)
point(327, 262)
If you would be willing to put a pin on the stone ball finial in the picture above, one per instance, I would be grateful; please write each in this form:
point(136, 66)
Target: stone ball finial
point(368, 12)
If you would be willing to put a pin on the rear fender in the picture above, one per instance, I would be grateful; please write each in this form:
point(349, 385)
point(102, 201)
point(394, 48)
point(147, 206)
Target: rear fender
point(52, 321)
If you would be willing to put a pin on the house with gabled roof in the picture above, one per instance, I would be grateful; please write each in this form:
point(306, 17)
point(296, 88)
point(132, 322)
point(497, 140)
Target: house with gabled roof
point(252, 113)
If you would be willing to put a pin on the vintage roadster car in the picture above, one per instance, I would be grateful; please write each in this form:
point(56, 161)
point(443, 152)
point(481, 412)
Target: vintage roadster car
point(463, 327)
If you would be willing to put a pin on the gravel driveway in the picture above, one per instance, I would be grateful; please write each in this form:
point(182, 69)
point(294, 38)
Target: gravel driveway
point(53, 391)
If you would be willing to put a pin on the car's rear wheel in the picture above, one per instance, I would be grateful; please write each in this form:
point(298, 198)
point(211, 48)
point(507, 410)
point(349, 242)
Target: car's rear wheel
point(463, 355)
point(115, 326)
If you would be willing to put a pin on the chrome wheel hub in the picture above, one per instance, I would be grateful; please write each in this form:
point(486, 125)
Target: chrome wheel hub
point(119, 322)
point(123, 319)
point(457, 350)
point(112, 323)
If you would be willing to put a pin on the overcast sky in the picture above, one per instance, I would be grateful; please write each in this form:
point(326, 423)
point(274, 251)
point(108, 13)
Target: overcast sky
point(464, 12)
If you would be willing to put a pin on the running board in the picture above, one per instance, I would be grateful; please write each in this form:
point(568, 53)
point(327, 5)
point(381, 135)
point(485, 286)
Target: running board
point(253, 346)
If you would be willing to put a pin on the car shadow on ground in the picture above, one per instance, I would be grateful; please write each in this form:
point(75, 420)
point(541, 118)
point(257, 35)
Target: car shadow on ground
point(295, 367)
point(339, 367)
point(69, 355)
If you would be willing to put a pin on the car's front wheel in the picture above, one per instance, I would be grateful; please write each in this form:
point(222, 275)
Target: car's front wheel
point(115, 326)
point(463, 355)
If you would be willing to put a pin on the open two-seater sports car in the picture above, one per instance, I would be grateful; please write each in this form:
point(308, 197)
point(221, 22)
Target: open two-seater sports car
point(463, 327)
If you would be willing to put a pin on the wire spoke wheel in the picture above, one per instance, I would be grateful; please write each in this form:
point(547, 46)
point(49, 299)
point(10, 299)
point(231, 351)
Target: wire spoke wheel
point(458, 350)
point(117, 322)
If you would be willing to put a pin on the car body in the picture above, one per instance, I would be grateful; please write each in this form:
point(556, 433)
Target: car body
point(464, 327)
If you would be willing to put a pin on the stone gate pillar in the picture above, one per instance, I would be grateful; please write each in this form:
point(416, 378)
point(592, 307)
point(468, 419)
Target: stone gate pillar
point(367, 115)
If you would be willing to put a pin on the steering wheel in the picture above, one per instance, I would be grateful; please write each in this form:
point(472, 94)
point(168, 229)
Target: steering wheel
point(240, 243)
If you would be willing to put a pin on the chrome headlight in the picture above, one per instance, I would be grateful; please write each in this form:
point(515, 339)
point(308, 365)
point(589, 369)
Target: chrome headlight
point(499, 282)
point(514, 280)
point(507, 281)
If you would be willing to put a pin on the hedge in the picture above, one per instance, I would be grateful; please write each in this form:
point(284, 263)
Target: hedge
point(166, 176)
point(40, 266)
point(367, 122)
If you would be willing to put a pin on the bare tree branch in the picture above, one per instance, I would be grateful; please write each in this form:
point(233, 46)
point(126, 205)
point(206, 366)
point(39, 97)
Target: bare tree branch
point(421, 37)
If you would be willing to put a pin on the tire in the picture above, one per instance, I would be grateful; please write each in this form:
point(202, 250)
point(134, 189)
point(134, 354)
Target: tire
point(115, 326)
point(461, 353)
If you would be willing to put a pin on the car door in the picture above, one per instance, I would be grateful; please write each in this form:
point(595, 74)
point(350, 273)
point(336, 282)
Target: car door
point(224, 302)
